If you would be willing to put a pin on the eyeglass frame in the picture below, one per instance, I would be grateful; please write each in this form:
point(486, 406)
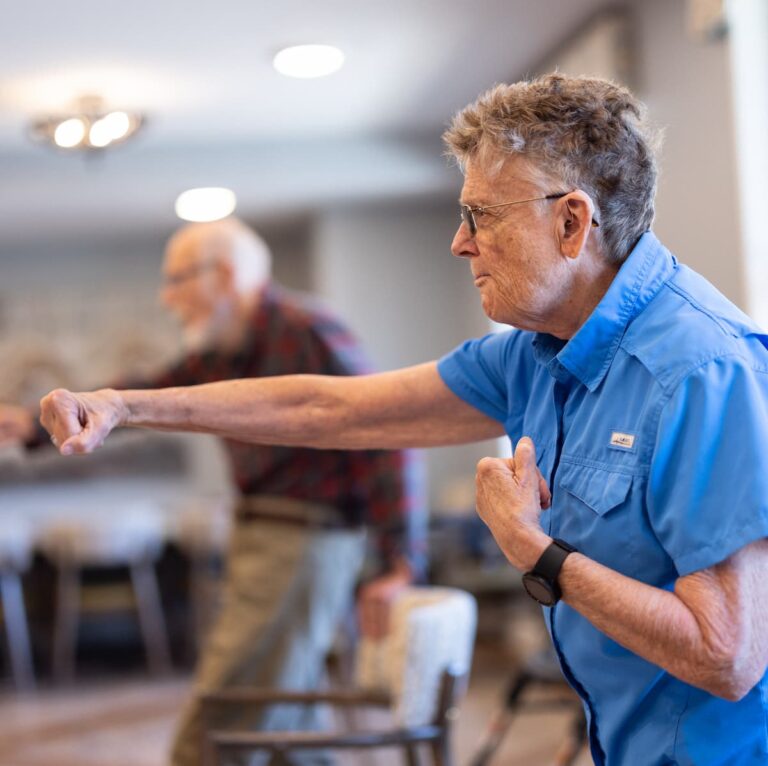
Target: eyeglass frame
point(191, 272)
point(467, 212)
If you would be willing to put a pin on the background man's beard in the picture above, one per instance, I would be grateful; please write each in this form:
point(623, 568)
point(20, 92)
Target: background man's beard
point(211, 331)
point(198, 337)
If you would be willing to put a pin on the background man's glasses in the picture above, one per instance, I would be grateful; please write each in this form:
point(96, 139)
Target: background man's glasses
point(174, 280)
point(468, 213)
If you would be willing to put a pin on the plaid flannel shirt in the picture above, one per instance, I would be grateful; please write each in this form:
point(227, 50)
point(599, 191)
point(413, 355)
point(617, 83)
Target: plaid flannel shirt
point(291, 334)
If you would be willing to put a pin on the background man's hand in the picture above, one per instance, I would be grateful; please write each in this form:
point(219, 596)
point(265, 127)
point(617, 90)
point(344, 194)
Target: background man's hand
point(17, 425)
point(79, 423)
point(374, 603)
point(510, 496)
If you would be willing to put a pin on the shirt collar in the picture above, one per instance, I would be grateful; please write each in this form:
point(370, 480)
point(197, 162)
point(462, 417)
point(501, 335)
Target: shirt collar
point(588, 354)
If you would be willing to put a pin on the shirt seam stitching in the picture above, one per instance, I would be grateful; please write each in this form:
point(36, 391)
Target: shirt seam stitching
point(699, 307)
point(671, 388)
point(638, 470)
point(680, 721)
point(721, 543)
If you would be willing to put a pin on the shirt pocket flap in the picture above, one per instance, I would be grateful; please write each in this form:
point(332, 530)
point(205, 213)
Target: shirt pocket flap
point(601, 490)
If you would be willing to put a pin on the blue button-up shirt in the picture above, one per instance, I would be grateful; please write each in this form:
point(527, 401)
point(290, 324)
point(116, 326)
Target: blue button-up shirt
point(651, 427)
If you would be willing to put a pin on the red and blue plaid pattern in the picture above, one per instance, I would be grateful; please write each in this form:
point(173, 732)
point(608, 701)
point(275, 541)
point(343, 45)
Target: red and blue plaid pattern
point(291, 334)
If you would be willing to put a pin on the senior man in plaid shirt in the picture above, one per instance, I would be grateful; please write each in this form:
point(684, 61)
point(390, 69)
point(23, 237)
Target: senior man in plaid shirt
point(298, 542)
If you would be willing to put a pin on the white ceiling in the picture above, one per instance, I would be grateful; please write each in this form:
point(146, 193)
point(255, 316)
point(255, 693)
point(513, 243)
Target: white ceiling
point(218, 114)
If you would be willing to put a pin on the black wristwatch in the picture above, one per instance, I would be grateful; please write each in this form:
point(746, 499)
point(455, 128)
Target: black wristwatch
point(541, 582)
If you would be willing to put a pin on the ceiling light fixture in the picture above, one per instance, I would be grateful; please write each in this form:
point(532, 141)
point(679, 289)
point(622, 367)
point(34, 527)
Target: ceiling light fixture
point(205, 204)
point(88, 127)
point(308, 61)
point(69, 133)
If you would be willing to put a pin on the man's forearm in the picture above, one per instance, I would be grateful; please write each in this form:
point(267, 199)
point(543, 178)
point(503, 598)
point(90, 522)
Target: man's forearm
point(296, 410)
point(281, 410)
point(661, 627)
point(405, 408)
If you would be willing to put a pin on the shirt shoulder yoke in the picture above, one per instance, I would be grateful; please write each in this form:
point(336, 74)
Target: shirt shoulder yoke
point(689, 323)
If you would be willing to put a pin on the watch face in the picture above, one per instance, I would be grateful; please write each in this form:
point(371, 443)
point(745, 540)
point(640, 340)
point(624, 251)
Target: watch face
point(539, 589)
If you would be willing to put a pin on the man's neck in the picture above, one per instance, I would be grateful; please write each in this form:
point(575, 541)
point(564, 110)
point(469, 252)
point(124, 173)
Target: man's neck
point(588, 290)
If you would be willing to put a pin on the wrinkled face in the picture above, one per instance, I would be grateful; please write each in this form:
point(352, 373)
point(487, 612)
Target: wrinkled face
point(516, 263)
point(196, 290)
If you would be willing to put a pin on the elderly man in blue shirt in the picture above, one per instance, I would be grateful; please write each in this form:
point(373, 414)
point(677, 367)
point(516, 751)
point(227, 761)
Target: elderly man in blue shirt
point(636, 501)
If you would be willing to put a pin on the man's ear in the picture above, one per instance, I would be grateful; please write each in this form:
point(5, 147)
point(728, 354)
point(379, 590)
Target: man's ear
point(574, 222)
point(225, 274)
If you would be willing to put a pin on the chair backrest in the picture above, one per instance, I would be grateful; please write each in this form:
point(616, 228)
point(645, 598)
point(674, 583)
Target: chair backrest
point(202, 528)
point(135, 533)
point(432, 630)
point(16, 543)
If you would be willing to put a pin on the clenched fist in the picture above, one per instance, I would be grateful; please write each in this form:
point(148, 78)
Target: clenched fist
point(510, 496)
point(79, 423)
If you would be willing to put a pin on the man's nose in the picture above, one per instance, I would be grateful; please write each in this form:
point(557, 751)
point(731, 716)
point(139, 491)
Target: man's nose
point(463, 245)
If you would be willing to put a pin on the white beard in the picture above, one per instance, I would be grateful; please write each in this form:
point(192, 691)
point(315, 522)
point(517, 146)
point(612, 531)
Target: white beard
point(198, 338)
point(211, 332)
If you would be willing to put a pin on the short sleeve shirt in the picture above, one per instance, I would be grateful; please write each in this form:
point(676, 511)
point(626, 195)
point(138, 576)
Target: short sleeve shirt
point(651, 427)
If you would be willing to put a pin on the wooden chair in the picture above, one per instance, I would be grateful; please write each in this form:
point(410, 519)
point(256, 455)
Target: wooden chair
point(201, 531)
point(419, 673)
point(15, 555)
point(541, 670)
point(131, 539)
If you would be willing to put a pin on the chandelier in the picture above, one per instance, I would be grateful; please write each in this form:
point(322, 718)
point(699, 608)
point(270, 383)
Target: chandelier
point(87, 127)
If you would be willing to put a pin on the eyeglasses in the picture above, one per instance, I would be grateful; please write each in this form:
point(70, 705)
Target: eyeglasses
point(174, 280)
point(468, 213)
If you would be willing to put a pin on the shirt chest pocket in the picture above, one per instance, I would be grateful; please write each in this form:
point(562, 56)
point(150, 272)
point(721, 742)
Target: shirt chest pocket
point(597, 488)
point(599, 511)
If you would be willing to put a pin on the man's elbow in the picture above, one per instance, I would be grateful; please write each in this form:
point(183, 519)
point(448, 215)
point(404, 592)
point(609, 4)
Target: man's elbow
point(732, 679)
point(731, 690)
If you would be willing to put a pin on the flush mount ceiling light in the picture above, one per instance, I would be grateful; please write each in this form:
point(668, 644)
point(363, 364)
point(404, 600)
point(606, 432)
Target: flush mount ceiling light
point(89, 126)
point(308, 61)
point(205, 204)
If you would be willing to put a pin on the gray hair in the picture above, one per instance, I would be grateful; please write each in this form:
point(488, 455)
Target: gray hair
point(250, 256)
point(232, 240)
point(585, 132)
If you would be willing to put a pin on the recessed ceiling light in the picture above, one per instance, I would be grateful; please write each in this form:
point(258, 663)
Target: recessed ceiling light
point(205, 204)
point(308, 60)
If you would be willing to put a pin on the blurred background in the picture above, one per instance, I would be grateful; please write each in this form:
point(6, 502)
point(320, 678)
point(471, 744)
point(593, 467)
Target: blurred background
point(345, 178)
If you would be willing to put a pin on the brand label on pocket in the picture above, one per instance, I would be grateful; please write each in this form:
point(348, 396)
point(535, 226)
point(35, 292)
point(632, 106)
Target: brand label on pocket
point(618, 439)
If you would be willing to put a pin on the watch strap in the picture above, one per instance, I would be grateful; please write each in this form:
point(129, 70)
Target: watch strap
point(551, 561)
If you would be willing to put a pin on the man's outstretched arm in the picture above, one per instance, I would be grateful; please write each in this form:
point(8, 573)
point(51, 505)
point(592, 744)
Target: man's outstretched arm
point(411, 407)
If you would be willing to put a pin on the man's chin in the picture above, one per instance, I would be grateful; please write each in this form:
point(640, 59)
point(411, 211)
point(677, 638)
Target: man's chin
point(197, 339)
point(495, 313)
point(488, 306)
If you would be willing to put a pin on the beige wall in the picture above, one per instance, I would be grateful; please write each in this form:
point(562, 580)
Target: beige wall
point(686, 85)
point(387, 269)
point(749, 65)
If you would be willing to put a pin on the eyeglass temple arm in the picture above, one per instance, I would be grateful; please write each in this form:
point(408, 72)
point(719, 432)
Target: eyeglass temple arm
point(595, 224)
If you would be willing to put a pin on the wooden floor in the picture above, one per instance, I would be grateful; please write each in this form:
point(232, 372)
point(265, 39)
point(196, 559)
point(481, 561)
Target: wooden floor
point(129, 723)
